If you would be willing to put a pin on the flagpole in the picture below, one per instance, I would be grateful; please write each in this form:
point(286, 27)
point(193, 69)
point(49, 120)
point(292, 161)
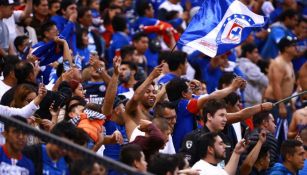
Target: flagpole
point(174, 48)
point(288, 98)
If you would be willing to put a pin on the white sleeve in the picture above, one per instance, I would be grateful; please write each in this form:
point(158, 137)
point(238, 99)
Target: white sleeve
point(17, 15)
point(26, 111)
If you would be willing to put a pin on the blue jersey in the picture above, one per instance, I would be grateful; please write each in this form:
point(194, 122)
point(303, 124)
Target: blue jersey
point(186, 112)
point(21, 166)
point(68, 30)
point(53, 168)
point(113, 150)
point(166, 78)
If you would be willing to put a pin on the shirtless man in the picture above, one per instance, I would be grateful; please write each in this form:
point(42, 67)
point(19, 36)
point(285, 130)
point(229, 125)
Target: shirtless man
point(281, 84)
point(143, 100)
point(298, 122)
point(302, 80)
point(281, 75)
point(299, 119)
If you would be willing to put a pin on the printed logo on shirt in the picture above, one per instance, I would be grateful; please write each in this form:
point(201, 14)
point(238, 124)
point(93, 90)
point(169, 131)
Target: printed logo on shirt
point(189, 144)
point(8, 169)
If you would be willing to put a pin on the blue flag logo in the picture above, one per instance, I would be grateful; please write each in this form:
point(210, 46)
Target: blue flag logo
point(219, 26)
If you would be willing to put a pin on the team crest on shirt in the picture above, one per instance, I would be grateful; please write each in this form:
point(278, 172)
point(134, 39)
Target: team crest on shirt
point(189, 144)
point(102, 88)
point(231, 30)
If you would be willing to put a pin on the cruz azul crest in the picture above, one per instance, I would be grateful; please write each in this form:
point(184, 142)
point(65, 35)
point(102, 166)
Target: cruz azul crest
point(231, 30)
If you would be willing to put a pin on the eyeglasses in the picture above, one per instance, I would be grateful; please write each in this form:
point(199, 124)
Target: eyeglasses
point(170, 118)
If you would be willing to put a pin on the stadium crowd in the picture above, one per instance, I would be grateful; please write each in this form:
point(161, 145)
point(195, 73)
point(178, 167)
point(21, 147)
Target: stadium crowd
point(110, 76)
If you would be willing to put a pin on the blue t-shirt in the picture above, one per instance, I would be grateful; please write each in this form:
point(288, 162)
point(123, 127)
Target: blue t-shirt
point(212, 77)
point(166, 78)
point(304, 170)
point(298, 62)
point(113, 150)
point(45, 72)
point(53, 168)
point(68, 30)
point(119, 40)
point(270, 49)
point(122, 89)
point(199, 61)
point(156, 4)
point(279, 169)
point(22, 166)
point(186, 112)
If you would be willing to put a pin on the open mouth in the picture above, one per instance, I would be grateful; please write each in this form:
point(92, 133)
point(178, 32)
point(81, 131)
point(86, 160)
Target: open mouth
point(152, 100)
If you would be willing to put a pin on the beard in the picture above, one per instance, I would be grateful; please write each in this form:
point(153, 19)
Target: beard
point(219, 156)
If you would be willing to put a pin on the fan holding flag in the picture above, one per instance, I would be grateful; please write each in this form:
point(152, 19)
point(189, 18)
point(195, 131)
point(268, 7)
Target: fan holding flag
point(219, 26)
point(50, 49)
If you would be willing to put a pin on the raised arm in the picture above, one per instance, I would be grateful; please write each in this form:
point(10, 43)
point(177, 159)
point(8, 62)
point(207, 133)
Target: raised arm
point(232, 164)
point(112, 88)
point(94, 61)
point(248, 112)
point(27, 11)
point(66, 51)
point(252, 157)
point(140, 91)
point(219, 94)
point(27, 110)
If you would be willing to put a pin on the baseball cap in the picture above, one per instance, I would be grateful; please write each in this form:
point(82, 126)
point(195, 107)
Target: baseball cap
point(9, 2)
point(286, 42)
point(120, 99)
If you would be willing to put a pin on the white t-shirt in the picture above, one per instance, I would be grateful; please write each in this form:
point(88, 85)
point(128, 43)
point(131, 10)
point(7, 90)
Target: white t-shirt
point(208, 169)
point(168, 6)
point(169, 147)
point(4, 87)
point(237, 128)
point(136, 132)
point(11, 24)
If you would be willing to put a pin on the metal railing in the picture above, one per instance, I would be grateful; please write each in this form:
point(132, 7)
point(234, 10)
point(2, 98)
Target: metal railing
point(86, 153)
